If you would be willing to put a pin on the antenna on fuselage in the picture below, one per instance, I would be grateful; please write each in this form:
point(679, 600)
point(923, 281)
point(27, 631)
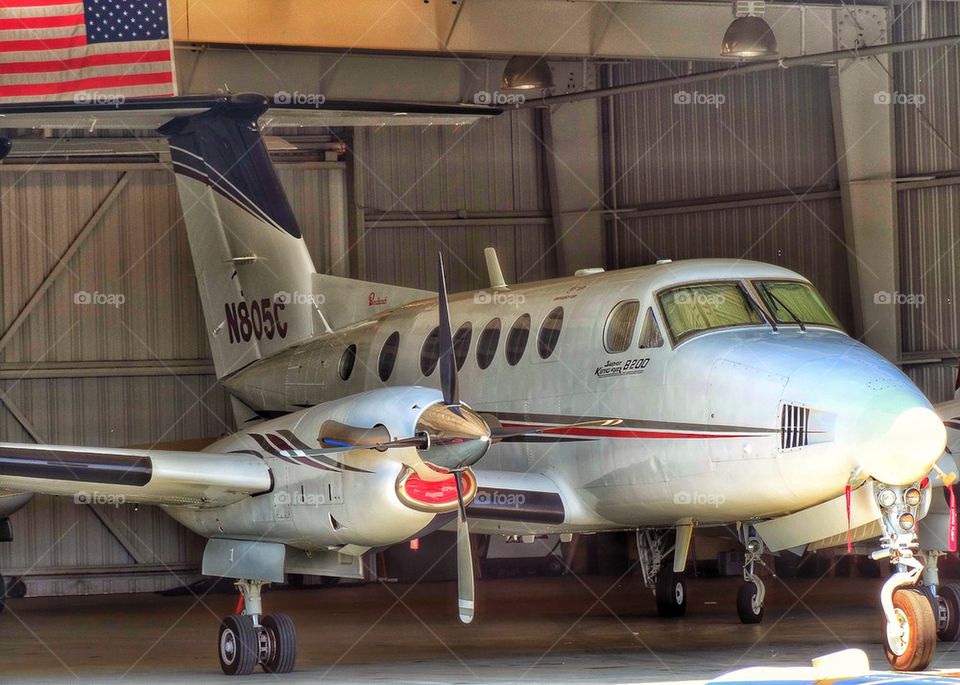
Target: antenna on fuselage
point(493, 269)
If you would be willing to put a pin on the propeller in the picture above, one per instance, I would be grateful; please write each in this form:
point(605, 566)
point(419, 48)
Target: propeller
point(449, 438)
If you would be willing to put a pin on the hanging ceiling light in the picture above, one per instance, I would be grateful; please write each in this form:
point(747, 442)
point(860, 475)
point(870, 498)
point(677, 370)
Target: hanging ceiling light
point(526, 72)
point(749, 35)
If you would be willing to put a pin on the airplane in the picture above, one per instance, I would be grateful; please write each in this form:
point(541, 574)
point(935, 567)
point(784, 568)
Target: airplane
point(655, 399)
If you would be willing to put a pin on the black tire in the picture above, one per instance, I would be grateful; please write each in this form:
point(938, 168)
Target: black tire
point(915, 651)
point(671, 594)
point(238, 646)
point(3, 594)
point(746, 609)
point(282, 635)
point(948, 630)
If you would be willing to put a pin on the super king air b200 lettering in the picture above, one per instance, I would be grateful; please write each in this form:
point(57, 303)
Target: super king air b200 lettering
point(654, 399)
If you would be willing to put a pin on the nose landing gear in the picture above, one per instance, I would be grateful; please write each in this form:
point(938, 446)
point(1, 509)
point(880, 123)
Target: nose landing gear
point(909, 626)
point(250, 638)
point(752, 593)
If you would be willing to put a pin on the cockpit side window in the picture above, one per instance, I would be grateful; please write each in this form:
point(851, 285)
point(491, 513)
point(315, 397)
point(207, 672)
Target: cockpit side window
point(795, 302)
point(650, 333)
point(621, 323)
point(699, 307)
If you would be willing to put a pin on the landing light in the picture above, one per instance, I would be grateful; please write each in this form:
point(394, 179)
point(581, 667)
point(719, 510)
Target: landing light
point(887, 498)
point(907, 521)
point(912, 497)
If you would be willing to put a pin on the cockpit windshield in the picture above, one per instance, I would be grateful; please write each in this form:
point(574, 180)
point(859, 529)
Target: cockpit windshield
point(794, 302)
point(698, 307)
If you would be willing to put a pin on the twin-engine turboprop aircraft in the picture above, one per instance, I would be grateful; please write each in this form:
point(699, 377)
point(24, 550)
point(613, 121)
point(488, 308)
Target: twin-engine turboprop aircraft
point(654, 399)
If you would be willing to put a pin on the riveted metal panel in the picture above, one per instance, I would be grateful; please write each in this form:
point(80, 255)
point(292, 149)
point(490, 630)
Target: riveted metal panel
point(759, 133)
point(929, 264)
point(928, 89)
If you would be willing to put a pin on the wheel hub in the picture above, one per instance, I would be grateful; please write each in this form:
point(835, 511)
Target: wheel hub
point(228, 646)
point(678, 593)
point(898, 634)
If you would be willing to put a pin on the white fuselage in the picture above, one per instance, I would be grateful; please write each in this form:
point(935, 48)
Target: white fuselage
point(709, 424)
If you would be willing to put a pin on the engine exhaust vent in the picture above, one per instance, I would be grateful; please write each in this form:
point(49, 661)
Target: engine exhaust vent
point(794, 426)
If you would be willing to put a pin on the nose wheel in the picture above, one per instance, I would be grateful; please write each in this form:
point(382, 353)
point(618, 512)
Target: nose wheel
point(249, 639)
point(910, 622)
point(911, 638)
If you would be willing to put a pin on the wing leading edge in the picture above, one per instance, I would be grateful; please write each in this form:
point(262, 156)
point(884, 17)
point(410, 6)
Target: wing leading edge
point(138, 476)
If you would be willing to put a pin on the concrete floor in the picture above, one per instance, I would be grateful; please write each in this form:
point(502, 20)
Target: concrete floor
point(594, 629)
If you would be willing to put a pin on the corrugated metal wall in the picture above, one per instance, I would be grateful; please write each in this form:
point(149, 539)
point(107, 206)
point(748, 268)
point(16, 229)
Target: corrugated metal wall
point(928, 143)
point(740, 137)
point(139, 250)
point(491, 168)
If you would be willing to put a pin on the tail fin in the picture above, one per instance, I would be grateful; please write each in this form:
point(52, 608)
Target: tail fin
point(253, 269)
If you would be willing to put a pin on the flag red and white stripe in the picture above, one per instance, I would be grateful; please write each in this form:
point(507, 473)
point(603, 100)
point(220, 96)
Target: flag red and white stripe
point(47, 54)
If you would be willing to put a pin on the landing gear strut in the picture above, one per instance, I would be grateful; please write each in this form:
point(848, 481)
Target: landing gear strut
point(909, 625)
point(249, 638)
point(752, 593)
point(669, 588)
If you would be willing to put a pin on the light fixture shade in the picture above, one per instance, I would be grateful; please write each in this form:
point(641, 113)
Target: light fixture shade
point(526, 72)
point(749, 37)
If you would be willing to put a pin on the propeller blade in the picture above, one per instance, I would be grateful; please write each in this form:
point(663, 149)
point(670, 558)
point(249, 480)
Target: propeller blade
point(498, 433)
point(448, 361)
point(465, 586)
point(407, 458)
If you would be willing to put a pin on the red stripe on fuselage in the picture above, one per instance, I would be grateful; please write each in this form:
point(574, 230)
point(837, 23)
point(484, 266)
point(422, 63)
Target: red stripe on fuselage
point(643, 434)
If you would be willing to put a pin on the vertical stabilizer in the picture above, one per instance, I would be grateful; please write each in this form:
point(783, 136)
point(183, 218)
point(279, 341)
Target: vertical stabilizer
point(253, 269)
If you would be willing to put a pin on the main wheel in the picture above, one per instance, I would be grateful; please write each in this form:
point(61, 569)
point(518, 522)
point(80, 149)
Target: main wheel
point(239, 645)
point(749, 609)
point(948, 612)
point(910, 641)
point(671, 594)
point(282, 641)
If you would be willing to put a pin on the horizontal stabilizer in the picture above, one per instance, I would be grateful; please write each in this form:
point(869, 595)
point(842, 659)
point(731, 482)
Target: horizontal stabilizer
point(152, 113)
point(93, 475)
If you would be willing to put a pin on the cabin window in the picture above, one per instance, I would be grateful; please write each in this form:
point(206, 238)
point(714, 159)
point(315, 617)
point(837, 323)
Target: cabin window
point(487, 343)
point(430, 352)
point(650, 332)
point(517, 339)
point(461, 343)
point(388, 356)
point(549, 333)
point(620, 326)
point(791, 302)
point(347, 361)
point(692, 309)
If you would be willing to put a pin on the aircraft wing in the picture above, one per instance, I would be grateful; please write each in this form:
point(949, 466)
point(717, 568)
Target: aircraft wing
point(152, 113)
point(92, 474)
point(509, 503)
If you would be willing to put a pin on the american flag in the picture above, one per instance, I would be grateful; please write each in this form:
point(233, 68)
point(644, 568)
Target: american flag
point(84, 51)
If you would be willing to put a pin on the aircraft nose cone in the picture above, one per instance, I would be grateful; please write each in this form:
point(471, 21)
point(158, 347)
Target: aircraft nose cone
point(906, 450)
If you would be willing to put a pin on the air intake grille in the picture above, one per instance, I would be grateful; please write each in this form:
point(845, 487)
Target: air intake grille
point(794, 426)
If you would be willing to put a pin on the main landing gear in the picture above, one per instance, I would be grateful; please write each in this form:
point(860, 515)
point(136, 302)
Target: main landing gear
point(669, 587)
point(249, 638)
point(909, 625)
point(752, 593)
point(944, 599)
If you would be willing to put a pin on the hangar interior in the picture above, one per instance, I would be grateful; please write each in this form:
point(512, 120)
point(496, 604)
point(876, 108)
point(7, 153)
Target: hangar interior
point(847, 171)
